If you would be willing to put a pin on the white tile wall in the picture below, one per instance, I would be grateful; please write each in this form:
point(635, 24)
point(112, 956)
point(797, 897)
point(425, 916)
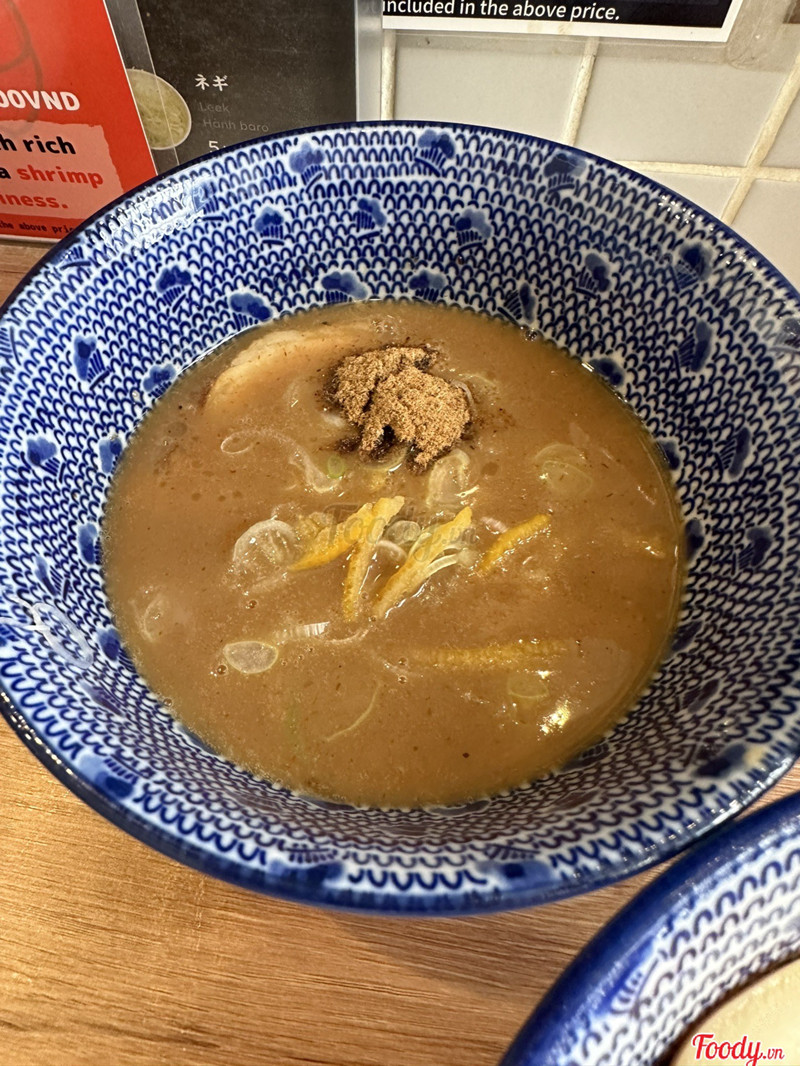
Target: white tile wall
point(707, 190)
point(785, 152)
point(673, 109)
point(770, 220)
point(523, 85)
point(719, 124)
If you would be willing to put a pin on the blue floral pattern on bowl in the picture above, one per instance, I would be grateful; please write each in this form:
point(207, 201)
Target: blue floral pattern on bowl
point(725, 913)
point(691, 326)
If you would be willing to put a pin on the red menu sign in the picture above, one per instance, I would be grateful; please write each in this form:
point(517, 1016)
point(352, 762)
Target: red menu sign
point(70, 135)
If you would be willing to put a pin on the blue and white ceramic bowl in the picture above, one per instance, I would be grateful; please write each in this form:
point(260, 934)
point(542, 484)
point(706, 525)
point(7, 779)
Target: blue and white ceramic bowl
point(726, 912)
point(691, 325)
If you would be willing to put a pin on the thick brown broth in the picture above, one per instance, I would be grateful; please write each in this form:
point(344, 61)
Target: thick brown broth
point(448, 697)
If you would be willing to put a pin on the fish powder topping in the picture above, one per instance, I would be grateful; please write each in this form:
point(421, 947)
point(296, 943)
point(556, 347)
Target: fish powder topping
point(392, 395)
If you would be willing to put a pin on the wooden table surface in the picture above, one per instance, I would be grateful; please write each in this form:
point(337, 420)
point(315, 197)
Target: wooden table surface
point(111, 954)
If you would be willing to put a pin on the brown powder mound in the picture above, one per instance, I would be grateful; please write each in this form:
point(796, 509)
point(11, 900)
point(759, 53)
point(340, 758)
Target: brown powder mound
point(390, 391)
point(357, 375)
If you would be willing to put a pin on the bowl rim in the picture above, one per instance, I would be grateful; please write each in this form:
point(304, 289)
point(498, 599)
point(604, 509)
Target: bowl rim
point(454, 902)
point(614, 948)
point(703, 213)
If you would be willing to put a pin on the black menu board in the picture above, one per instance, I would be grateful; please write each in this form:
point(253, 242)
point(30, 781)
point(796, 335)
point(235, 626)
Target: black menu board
point(244, 68)
point(699, 20)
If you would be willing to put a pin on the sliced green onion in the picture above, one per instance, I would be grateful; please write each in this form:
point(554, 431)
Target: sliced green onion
point(336, 467)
